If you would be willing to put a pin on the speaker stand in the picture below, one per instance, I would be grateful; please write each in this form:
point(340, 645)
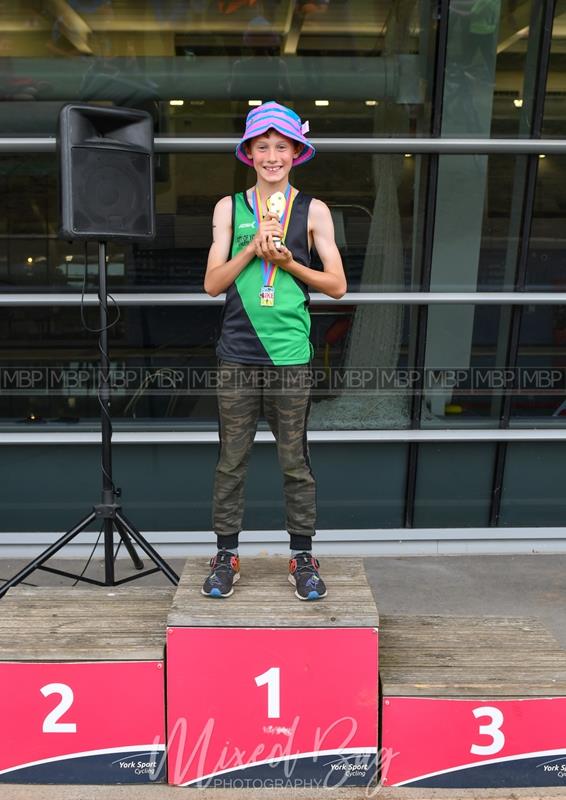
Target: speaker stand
point(109, 511)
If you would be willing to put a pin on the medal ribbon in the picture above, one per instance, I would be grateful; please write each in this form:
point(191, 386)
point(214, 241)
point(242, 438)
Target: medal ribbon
point(269, 270)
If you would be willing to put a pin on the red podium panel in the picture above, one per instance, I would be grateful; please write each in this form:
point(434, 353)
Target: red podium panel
point(82, 722)
point(272, 707)
point(467, 743)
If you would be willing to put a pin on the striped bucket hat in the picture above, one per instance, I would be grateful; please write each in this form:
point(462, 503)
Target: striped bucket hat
point(284, 120)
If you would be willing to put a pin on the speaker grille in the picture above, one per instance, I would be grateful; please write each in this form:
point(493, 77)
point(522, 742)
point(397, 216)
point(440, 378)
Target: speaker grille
point(110, 189)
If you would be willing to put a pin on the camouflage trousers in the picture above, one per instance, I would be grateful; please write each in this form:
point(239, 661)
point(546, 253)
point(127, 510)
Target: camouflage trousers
point(283, 395)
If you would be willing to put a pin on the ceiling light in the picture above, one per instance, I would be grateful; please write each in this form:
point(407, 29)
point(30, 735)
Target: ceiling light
point(254, 102)
point(518, 102)
point(30, 260)
point(176, 102)
point(322, 102)
point(408, 155)
point(542, 155)
point(371, 102)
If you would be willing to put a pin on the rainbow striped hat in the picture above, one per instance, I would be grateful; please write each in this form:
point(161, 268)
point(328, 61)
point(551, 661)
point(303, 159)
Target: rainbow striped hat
point(285, 121)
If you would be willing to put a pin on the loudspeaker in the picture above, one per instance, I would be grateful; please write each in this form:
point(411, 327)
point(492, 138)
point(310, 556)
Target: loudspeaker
point(106, 173)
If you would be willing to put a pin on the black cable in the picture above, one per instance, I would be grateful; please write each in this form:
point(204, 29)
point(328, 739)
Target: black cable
point(89, 559)
point(116, 306)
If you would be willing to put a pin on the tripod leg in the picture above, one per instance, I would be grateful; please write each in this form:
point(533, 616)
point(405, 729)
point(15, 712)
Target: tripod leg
point(43, 557)
point(108, 552)
point(138, 563)
point(147, 548)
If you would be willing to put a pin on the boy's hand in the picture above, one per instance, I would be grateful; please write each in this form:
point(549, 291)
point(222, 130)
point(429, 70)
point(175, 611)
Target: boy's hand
point(280, 256)
point(268, 227)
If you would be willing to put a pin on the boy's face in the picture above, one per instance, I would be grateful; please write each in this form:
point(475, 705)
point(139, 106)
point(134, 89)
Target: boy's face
point(272, 154)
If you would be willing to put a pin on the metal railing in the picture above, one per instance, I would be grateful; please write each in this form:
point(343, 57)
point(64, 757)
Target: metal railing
point(219, 144)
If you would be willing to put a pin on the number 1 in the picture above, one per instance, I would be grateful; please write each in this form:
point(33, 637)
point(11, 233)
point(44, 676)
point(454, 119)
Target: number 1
point(272, 679)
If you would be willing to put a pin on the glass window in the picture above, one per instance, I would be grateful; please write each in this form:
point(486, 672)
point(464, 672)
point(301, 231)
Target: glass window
point(169, 487)
point(465, 366)
point(555, 99)
point(480, 254)
point(163, 361)
point(540, 395)
point(547, 245)
point(375, 499)
point(454, 484)
point(372, 200)
point(488, 67)
point(352, 67)
point(533, 485)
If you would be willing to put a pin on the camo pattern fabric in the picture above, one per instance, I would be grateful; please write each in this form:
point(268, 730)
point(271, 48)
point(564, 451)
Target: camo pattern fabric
point(283, 395)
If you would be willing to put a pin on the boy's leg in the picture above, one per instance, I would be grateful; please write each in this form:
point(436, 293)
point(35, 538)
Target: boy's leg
point(286, 408)
point(239, 404)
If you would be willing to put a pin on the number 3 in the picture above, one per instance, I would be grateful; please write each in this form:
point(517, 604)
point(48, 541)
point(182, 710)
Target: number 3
point(51, 722)
point(493, 730)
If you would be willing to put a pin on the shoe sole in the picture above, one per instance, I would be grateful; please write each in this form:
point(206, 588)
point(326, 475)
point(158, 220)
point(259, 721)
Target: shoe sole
point(312, 595)
point(216, 594)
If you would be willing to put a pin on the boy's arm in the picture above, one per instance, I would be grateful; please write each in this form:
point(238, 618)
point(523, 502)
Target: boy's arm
point(332, 280)
point(221, 270)
point(322, 228)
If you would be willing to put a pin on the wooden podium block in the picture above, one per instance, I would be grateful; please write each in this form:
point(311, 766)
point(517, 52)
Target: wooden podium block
point(264, 690)
point(472, 702)
point(82, 685)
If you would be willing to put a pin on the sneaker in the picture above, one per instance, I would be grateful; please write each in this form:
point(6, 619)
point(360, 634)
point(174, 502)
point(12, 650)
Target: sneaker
point(225, 572)
point(303, 573)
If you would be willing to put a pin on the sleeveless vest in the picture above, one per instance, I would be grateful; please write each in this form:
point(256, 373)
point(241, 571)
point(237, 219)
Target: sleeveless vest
point(255, 334)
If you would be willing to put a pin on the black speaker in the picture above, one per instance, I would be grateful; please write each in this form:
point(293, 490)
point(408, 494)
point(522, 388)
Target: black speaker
point(106, 173)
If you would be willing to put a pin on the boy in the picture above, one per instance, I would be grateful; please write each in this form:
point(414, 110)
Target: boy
point(261, 258)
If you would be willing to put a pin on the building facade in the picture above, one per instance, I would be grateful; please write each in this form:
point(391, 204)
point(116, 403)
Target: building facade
point(439, 396)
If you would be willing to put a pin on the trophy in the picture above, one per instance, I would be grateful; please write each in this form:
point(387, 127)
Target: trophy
point(276, 204)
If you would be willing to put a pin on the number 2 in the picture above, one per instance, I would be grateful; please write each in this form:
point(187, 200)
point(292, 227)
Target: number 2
point(493, 730)
point(51, 722)
point(272, 679)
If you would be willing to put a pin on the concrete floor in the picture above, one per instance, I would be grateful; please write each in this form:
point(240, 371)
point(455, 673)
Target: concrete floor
point(533, 586)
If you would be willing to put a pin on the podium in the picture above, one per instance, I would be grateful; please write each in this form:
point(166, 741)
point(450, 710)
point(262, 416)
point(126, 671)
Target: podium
point(267, 691)
point(472, 702)
point(82, 685)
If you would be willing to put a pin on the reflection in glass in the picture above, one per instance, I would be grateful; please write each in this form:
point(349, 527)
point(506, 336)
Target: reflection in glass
point(464, 384)
point(540, 396)
point(547, 251)
point(367, 369)
point(555, 98)
point(212, 57)
point(371, 198)
point(163, 361)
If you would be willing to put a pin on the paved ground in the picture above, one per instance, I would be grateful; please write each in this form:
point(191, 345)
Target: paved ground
point(501, 585)
point(172, 793)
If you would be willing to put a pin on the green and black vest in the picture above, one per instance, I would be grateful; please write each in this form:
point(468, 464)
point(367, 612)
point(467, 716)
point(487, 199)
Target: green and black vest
point(255, 334)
